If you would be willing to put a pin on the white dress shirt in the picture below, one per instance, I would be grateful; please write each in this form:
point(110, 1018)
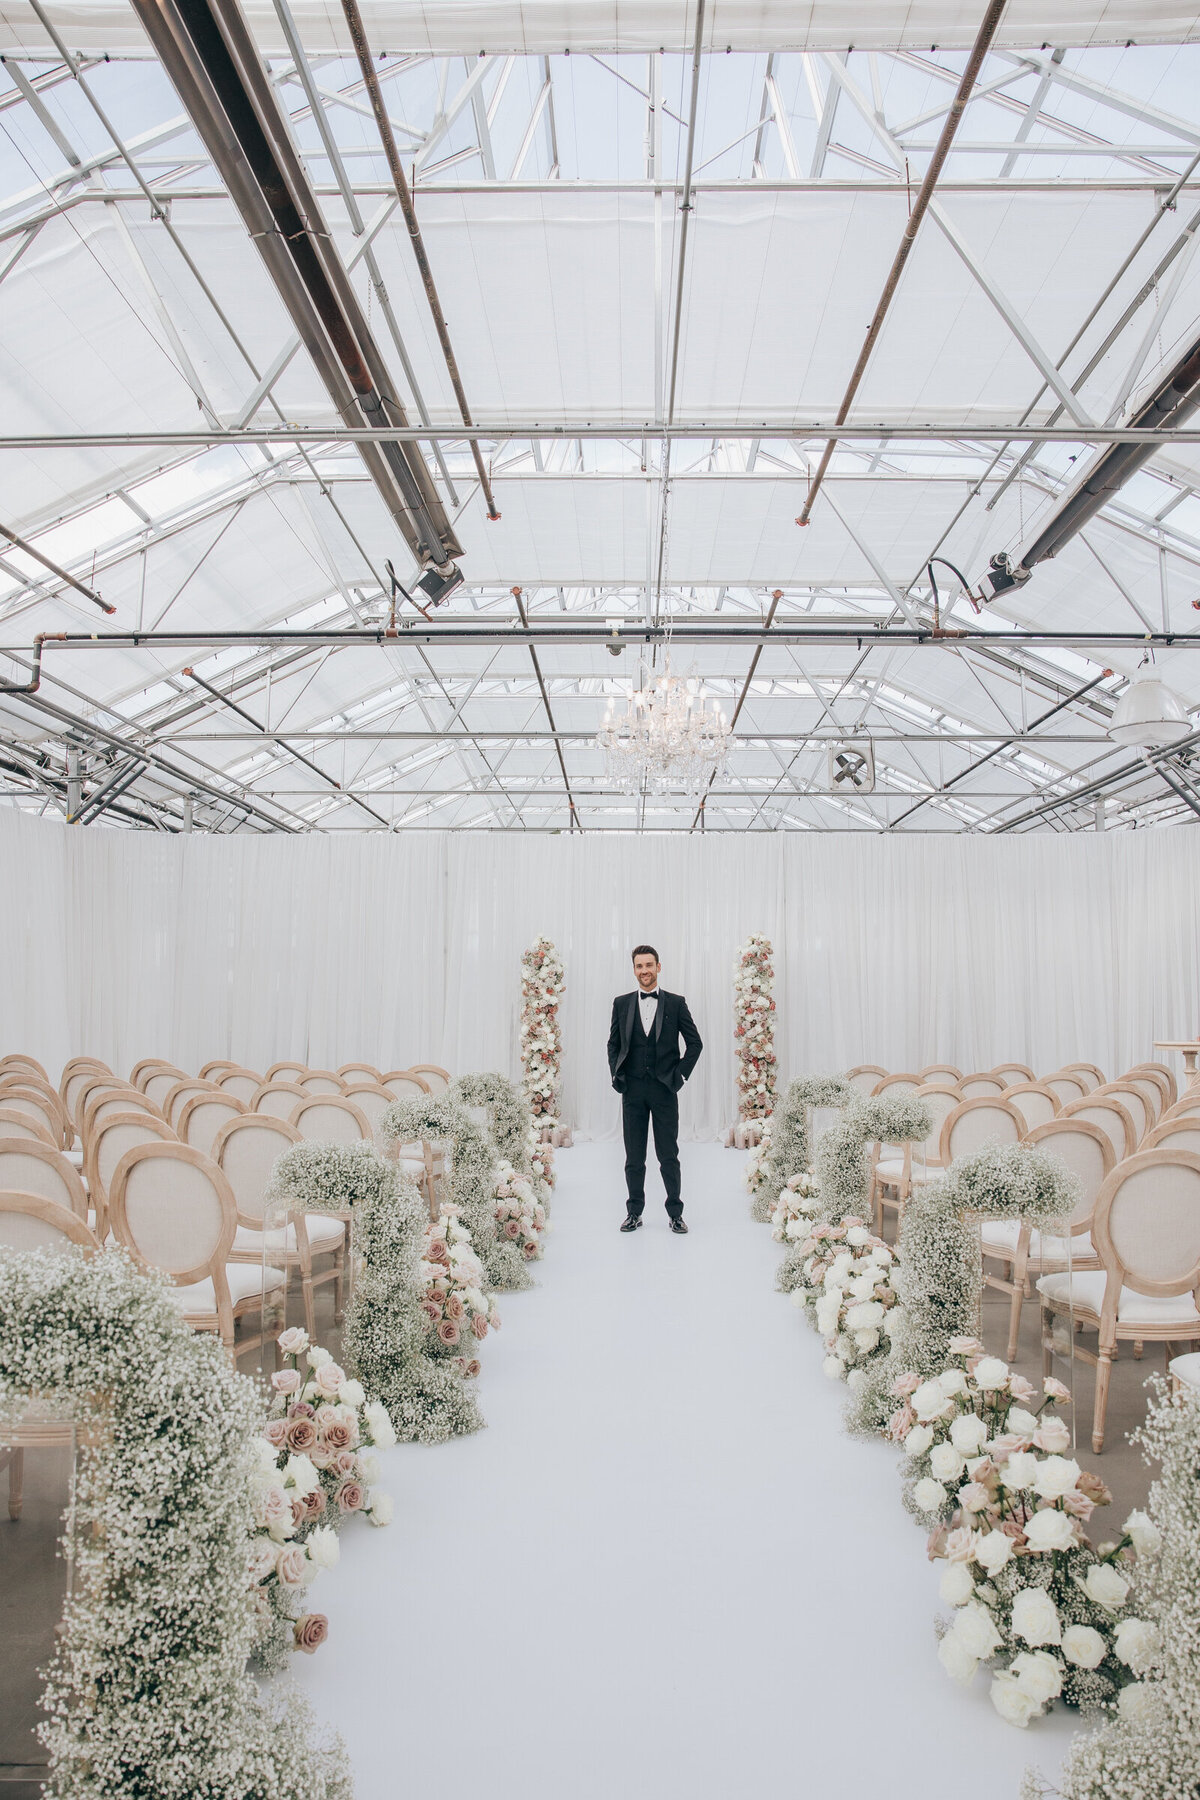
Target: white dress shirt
point(648, 1005)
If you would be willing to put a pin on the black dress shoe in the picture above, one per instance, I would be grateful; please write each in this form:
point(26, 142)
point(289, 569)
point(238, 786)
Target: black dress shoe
point(678, 1227)
point(633, 1222)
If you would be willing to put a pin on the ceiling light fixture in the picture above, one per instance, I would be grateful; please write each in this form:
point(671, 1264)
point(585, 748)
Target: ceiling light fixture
point(667, 738)
point(1149, 715)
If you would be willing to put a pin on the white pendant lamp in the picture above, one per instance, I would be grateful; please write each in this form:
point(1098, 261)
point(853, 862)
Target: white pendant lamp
point(1149, 714)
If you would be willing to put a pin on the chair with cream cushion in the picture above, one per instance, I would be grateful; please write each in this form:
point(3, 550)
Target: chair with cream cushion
point(436, 1079)
point(1152, 1086)
point(286, 1071)
point(331, 1119)
point(403, 1084)
point(1168, 1079)
point(1021, 1249)
point(1181, 1134)
point(39, 1106)
point(1187, 1108)
point(16, 1063)
point(201, 1117)
point(156, 1084)
point(894, 1173)
point(1036, 1103)
point(355, 1073)
point(91, 1085)
point(1013, 1071)
point(32, 1222)
point(113, 1136)
point(974, 1123)
point(31, 1168)
point(1185, 1370)
point(174, 1209)
point(321, 1081)
point(73, 1071)
point(372, 1098)
point(982, 1086)
point(180, 1094)
point(1146, 1229)
point(1106, 1111)
point(152, 1065)
point(15, 1122)
point(278, 1099)
point(1067, 1085)
point(242, 1083)
point(104, 1102)
point(1135, 1103)
point(213, 1071)
point(939, 1075)
point(1089, 1072)
point(864, 1077)
point(247, 1149)
point(900, 1083)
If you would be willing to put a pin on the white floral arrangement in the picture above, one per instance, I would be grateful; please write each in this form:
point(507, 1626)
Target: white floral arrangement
point(459, 1312)
point(792, 1214)
point(541, 1168)
point(520, 1216)
point(986, 1465)
point(941, 1266)
point(844, 1283)
point(754, 1028)
point(471, 1179)
point(756, 1173)
point(1151, 1748)
point(385, 1338)
point(147, 1691)
point(515, 1137)
point(543, 982)
point(786, 1151)
point(842, 1161)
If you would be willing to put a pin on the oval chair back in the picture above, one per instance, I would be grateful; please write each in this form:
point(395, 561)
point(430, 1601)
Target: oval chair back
point(1066, 1086)
point(27, 1167)
point(1093, 1076)
point(373, 1099)
point(982, 1086)
point(330, 1119)
point(974, 1123)
point(321, 1081)
point(286, 1071)
point(112, 1137)
point(356, 1073)
point(31, 1222)
point(1178, 1134)
point(1036, 1103)
point(1135, 1103)
point(39, 1106)
point(15, 1122)
point(1106, 1111)
point(18, 1063)
point(436, 1079)
point(152, 1065)
point(903, 1083)
point(242, 1084)
point(278, 1099)
point(864, 1077)
point(213, 1071)
point(403, 1084)
point(103, 1103)
point(157, 1084)
point(940, 1075)
point(201, 1117)
point(1011, 1072)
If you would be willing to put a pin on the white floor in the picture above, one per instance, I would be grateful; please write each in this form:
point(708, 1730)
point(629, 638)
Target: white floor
point(663, 1572)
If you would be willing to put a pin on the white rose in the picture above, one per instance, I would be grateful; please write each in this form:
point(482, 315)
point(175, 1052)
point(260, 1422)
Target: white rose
point(968, 1434)
point(928, 1495)
point(990, 1373)
point(796, 1228)
point(956, 1659)
point(866, 1341)
point(827, 1317)
point(380, 1507)
point(1138, 1643)
point(317, 1358)
point(1020, 1470)
point(855, 1379)
point(834, 1367)
point(1015, 1704)
point(299, 1471)
point(867, 1316)
point(952, 1381)
point(351, 1393)
point(1140, 1704)
point(956, 1585)
point(858, 1235)
point(1049, 1530)
point(1035, 1617)
point(1103, 1585)
point(1056, 1476)
point(1053, 1435)
point(1020, 1422)
point(945, 1462)
point(1084, 1646)
point(918, 1440)
point(1143, 1533)
point(993, 1550)
point(863, 1286)
point(976, 1630)
point(268, 1456)
point(797, 1298)
point(368, 1467)
point(1039, 1673)
point(929, 1401)
point(322, 1546)
point(379, 1424)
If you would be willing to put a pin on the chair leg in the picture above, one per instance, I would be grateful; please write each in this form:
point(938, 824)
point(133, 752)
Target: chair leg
point(339, 1286)
point(16, 1483)
point(1100, 1411)
point(310, 1311)
point(1014, 1320)
point(1047, 1344)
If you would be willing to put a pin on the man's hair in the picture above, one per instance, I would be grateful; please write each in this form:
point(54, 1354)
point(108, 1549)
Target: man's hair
point(644, 950)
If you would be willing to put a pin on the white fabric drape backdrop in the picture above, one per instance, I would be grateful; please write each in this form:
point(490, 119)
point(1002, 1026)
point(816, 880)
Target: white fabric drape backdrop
point(403, 949)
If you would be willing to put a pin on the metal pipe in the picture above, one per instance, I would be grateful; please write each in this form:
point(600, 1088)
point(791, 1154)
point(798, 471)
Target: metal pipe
point(35, 680)
point(40, 556)
point(122, 777)
point(799, 431)
point(983, 39)
point(596, 633)
point(1137, 766)
point(537, 669)
point(396, 170)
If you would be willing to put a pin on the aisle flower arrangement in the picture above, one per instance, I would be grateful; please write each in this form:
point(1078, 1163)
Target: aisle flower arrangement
point(471, 1179)
point(787, 1151)
point(843, 1280)
point(986, 1464)
point(843, 1154)
point(541, 1168)
point(385, 1338)
point(543, 982)
point(515, 1137)
point(756, 1175)
point(792, 1214)
point(520, 1217)
point(754, 1029)
point(459, 1313)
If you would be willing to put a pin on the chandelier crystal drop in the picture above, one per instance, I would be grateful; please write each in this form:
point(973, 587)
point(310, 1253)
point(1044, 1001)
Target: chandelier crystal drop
point(669, 736)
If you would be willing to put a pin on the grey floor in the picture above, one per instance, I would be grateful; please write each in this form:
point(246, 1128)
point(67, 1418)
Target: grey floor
point(32, 1573)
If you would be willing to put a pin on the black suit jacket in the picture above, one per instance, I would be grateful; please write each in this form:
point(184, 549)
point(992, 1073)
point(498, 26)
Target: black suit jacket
point(673, 1022)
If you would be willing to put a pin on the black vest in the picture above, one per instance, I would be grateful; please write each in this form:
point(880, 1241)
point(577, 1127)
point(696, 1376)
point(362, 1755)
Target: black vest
point(641, 1059)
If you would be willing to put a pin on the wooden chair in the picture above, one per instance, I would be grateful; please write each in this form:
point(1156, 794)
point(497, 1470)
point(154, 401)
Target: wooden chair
point(893, 1174)
point(331, 1119)
point(1181, 1134)
point(201, 1118)
point(982, 1086)
point(104, 1102)
point(78, 1065)
point(1066, 1085)
point(1133, 1100)
point(404, 1084)
point(152, 1065)
point(156, 1084)
point(1161, 1069)
point(246, 1150)
point(286, 1071)
point(15, 1122)
point(42, 1105)
point(1187, 1108)
point(242, 1083)
point(372, 1098)
point(1012, 1071)
point(1094, 1076)
point(358, 1073)
point(27, 1167)
point(180, 1094)
point(940, 1075)
point(321, 1081)
point(436, 1079)
point(1151, 1084)
point(1146, 1229)
point(174, 1209)
point(113, 1136)
point(17, 1062)
point(1036, 1103)
point(1184, 1371)
point(32, 1222)
point(974, 1123)
point(212, 1071)
point(278, 1099)
point(865, 1077)
point(1021, 1249)
point(902, 1083)
point(1106, 1111)
point(88, 1087)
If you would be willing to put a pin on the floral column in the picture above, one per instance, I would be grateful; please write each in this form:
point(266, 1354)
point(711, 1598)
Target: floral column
point(754, 1038)
point(542, 986)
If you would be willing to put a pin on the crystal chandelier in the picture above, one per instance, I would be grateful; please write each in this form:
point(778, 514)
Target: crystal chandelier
point(669, 736)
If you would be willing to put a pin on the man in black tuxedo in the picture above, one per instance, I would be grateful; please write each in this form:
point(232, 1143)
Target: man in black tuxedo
point(648, 1072)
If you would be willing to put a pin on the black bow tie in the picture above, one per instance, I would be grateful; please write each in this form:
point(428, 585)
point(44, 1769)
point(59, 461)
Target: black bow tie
point(653, 997)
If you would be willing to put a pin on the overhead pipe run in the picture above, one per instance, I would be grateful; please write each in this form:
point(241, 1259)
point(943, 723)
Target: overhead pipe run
point(206, 48)
point(41, 557)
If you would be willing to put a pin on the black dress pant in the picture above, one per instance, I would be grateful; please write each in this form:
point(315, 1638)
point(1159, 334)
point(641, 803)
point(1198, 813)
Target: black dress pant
point(644, 1099)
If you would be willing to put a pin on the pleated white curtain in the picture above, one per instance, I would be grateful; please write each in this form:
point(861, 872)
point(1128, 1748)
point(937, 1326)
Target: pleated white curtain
point(402, 949)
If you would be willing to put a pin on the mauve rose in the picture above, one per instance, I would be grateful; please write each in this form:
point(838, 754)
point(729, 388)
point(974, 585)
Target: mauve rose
point(299, 1512)
point(493, 1321)
point(275, 1431)
point(319, 1456)
point(1006, 1446)
point(473, 1367)
point(1095, 1489)
point(336, 1435)
point(960, 1544)
point(448, 1332)
point(301, 1434)
point(512, 1229)
point(479, 1326)
point(314, 1504)
point(291, 1564)
point(300, 1409)
point(432, 1311)
point(1055, 1389)
point(310, 1631)
point(530, 1250)
point(345, 1462)
point(330, 1378)
point(285, 1381)
point(936, 1544)
point(274, 1506)
point(293, 1341)
point(454, 1305)
point(1080, 1506)
point(350, 1496)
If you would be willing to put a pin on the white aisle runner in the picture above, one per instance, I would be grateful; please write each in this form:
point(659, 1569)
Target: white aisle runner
point(663, 1572)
